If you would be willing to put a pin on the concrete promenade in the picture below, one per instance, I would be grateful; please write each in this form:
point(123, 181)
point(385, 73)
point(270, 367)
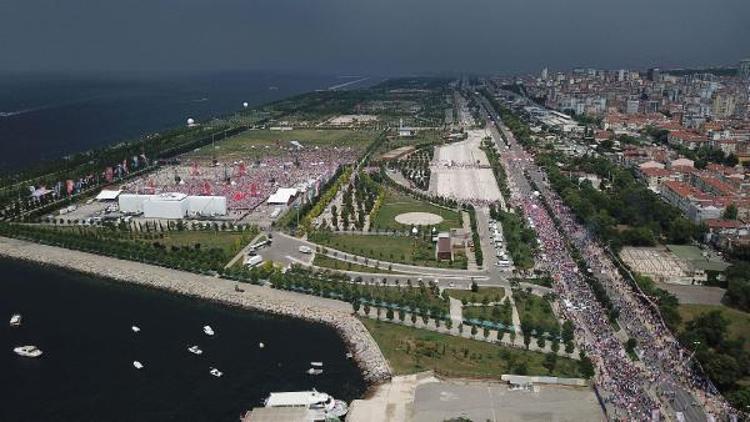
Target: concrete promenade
point(334, 313)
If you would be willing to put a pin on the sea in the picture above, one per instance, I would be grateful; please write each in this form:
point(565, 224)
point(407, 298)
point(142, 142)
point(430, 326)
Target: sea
point(83, 326)
point(45, 116)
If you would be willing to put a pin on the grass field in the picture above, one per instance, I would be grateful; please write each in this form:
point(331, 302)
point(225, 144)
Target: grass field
point(411, 350)
point(498, 313)
point(536, 312)
point(253, 143)
point(335, 264)
point(739, 326)
point(493, 294)
point(402, 249)
point(396, 203)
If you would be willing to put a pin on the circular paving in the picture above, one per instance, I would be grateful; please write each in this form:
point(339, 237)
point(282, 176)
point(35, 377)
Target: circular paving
point(419, 218)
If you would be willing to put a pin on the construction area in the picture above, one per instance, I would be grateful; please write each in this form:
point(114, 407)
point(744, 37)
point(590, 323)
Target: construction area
point(461, 171)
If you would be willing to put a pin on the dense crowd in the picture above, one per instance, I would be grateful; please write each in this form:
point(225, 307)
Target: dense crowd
point(634, 391)
point(248, 184)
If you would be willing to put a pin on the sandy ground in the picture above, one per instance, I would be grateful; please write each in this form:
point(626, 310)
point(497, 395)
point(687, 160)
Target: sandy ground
point(419, 218)
point(463, 153)
point(467, 184)
point(460, 171)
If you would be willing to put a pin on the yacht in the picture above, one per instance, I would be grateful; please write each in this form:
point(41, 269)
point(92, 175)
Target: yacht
point(321, 403)
point(195, 350)
point(208, 330)
point(215, 372)
point(135, 329)
point(137, 365)
point(261, 345)
point(314, 371)
point(28, 351)
point(318, 364)
point(15, 320)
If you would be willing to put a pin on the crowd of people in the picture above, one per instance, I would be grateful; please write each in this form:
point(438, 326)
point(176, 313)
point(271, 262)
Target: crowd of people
point(247, 184)
point(634, 391)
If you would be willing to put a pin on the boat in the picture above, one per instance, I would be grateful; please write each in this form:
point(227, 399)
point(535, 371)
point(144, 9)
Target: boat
point(208, 330)
point(137, 365)
point(322, 404)
point(15, 320)
point(314, 371)
point(349, 355)
point(135, 329)
point(215, 372)
point(28, 351)
point(195, 350)
point(318, 364)
point(261, 345)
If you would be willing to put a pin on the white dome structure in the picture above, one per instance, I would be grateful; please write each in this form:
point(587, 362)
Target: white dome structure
point(245, 104)
point(190, 121)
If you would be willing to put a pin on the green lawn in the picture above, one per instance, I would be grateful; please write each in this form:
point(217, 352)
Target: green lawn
point(493, 294)
point(230, 242)
point(396, 203)
point(335, 264)
point(405, 250)
point(498, 313)
point(411, 350)
point(253, 143)
point(536, 312)
point(739, 326)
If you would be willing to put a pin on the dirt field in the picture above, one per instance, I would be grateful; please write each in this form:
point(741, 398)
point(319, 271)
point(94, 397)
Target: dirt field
point(461, 171)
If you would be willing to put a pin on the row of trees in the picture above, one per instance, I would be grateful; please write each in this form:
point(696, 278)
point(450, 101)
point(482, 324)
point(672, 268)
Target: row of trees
point(519, 238)
point(416, 167)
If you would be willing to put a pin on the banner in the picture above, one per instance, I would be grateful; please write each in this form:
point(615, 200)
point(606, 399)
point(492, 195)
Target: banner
point(109, 174)
point(69, 185)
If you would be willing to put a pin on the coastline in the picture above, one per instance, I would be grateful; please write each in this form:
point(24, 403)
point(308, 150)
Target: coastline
point(333, 313)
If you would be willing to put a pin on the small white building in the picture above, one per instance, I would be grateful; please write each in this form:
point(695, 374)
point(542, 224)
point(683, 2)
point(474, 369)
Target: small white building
point(132, 203)
point(108, 195)
point(166, 205)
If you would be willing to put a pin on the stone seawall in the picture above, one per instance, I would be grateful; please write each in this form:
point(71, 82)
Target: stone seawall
point(333, 313)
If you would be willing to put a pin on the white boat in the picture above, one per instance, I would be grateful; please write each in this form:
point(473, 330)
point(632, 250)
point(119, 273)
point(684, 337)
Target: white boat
point(195, 350)
point(135, 329)
point(28, 351)
point(208, 330)
point(215, 372)
point(137, 365)
point(349, 355)
point(318, 364)
point(321, 403)
point(261, 345)
point(314, 371)
point(15, 320)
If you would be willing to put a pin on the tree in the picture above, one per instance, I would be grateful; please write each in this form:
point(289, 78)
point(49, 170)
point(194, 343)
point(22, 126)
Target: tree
point(389, 314)
point(567, 331)
point(550, 362)
point(526, 339)
point(730, 213)
point(367, 309)
point(586, 367)
point(569, 347)
point(355, 305)
point(474, 286)
point(540, 342)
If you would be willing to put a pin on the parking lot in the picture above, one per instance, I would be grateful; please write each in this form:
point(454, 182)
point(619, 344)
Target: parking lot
point(487, 401)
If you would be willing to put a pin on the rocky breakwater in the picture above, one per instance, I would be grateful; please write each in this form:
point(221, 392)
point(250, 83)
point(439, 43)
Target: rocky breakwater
point(333, 313)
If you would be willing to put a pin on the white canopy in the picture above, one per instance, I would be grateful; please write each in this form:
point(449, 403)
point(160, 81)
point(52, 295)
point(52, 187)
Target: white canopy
point(108, 195)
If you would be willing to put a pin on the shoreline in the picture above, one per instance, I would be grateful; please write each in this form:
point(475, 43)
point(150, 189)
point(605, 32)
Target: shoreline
point(332, 313)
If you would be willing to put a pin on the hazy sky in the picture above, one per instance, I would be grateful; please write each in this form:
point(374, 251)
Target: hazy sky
point(378, 36)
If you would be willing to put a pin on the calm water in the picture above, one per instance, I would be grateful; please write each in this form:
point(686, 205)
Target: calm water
point(83, 326)
point(54, 115)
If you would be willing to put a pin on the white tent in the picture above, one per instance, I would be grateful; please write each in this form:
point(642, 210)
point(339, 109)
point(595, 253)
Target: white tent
point(282, 196)
point(108, 195)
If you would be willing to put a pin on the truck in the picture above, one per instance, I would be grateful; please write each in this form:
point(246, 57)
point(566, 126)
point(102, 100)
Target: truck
point(252, 261)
